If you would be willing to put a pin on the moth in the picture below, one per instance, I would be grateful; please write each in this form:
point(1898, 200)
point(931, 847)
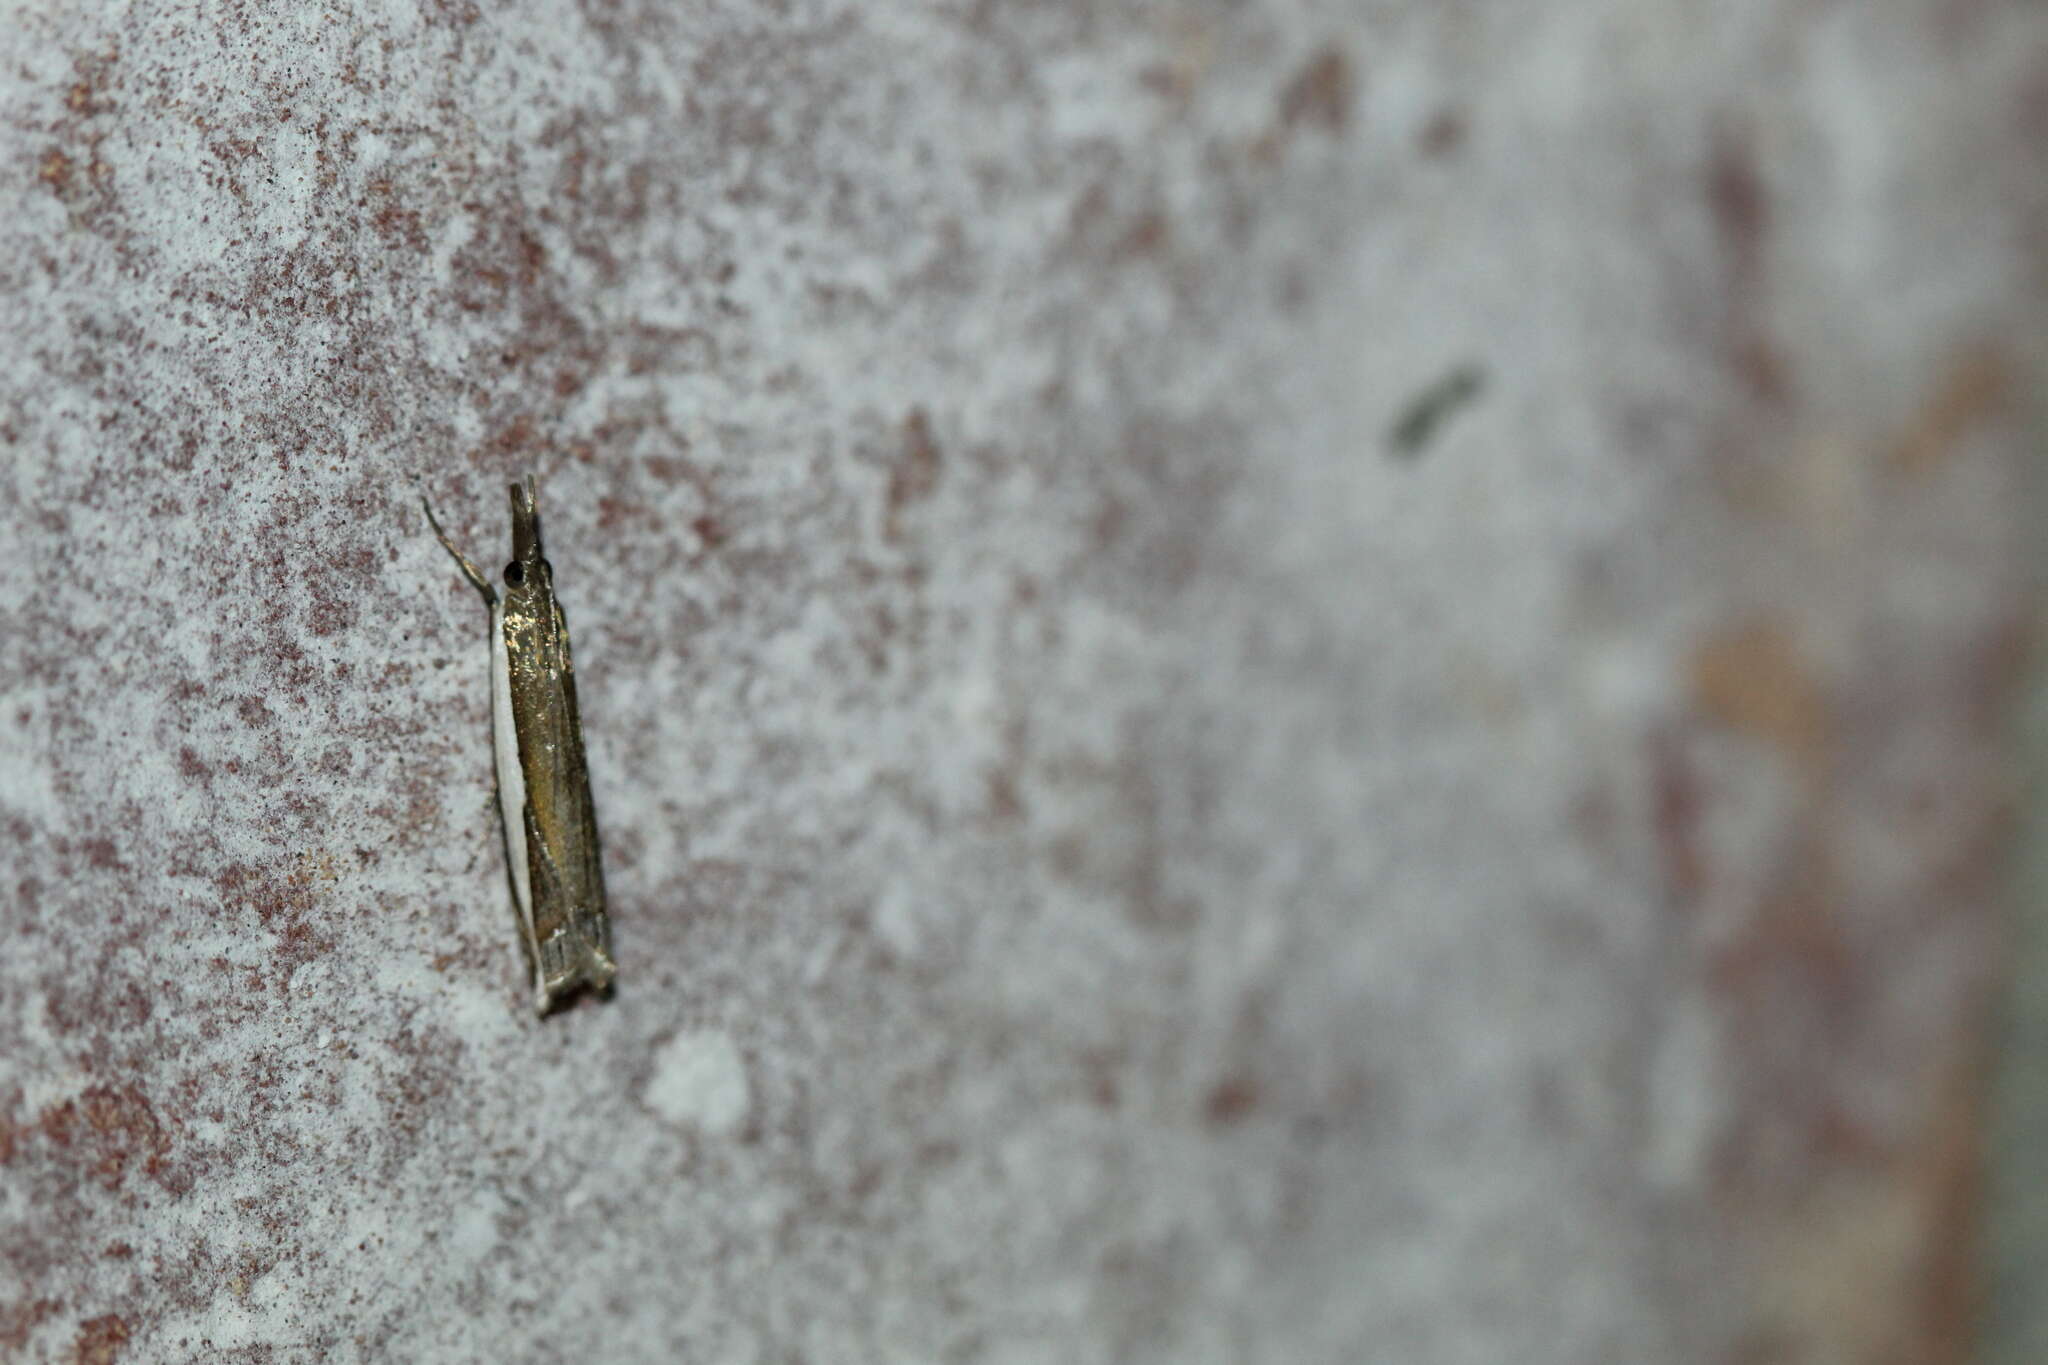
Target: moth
point(543, 785)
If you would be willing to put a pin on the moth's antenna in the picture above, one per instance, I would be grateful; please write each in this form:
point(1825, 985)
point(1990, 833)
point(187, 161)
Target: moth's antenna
point(469, 570)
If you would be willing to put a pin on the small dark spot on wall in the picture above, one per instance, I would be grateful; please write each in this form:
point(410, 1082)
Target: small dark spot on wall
point(1112, 518)
point(1100, 1067)
point(1425, 413)
point(1168, 80)
point(1231, 1100)
point(1762, 368)
point(1320, 94)
point(867, 1178)
point(1292, 289)
point(1004, 803)
point(938, 1154)
point(1146, 236)
point(1736, 199)
point(1444, 135)
point(612, 511)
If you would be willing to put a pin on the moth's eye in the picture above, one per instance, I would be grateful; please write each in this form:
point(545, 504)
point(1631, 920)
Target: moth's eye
point(515, 573)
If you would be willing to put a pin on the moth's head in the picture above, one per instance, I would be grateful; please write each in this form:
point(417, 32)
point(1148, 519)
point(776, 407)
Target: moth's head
point(529, 570)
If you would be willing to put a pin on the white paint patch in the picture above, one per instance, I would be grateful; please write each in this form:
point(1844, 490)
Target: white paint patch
point(700, 1081)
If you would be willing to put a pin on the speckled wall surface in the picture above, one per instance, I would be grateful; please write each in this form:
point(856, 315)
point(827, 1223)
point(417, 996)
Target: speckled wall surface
point(1266, 682)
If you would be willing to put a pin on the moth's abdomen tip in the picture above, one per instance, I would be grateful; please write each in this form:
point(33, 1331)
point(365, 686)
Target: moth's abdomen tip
point(592, 969)
point(597, 971)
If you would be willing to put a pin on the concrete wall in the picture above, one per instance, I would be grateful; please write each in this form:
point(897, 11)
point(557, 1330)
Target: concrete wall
point(1265, 682)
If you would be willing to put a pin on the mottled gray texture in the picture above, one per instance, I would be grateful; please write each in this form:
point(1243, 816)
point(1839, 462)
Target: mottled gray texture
point(1121, 849)
point(2016, 1195)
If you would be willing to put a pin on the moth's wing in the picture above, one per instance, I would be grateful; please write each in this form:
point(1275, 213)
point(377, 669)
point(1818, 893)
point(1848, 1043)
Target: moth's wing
point(569, 954)
point(574, 861)
point(588, 874)
point(547, 879)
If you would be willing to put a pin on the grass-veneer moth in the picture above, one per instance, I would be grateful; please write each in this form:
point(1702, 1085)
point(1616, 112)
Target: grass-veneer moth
point(543, 786)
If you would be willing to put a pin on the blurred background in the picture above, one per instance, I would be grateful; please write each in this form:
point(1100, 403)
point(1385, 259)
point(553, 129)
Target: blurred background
point(1272, 681)
point(2016, 1213)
